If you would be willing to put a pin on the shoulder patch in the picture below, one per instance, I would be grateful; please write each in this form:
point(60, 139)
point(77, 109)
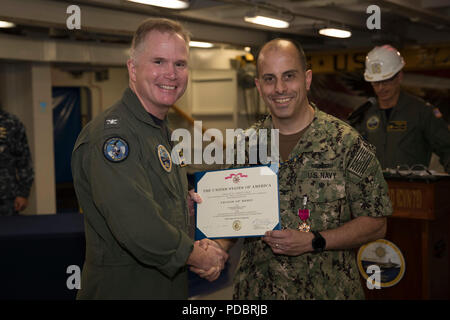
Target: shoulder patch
point(437, 113)
point(115, 149)
point(361, 160)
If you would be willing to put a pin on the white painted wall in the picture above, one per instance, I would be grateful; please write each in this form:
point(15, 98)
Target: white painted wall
point(25, 89)
point(26, 92)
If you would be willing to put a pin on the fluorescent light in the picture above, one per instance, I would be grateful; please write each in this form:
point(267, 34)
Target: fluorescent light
point(199, 44)
point(266, 21)
point(335, 33)
point(6, 24)
point(171, 4)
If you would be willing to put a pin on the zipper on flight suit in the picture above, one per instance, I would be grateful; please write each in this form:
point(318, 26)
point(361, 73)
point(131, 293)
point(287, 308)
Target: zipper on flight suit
point(178, 174)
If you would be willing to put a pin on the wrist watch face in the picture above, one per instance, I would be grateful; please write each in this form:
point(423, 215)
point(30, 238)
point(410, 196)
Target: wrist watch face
point(318, 243)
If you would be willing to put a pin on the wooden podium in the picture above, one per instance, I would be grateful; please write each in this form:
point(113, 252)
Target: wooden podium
point(420, 227)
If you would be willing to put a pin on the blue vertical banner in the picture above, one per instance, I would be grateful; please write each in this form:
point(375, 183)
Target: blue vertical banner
point(66, 128)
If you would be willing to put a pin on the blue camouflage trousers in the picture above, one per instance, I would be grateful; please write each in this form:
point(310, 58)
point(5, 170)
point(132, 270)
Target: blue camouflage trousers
point(7, 207)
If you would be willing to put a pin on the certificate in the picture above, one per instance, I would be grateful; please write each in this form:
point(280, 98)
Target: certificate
point(237, 202)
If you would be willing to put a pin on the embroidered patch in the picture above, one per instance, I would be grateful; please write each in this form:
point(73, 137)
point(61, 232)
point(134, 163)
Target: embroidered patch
point(373, 122)
point(397, 126)
point(361, 161)
point(113, 122)
point(437, 113)
point(164, 158)
point(322, 165)
point(115, 149)
point(181, 159)
point(3, 132)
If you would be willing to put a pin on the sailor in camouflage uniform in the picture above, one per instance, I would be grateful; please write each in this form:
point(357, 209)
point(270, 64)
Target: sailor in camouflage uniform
point(329, 171)
point(16, 171)
point(337, 172)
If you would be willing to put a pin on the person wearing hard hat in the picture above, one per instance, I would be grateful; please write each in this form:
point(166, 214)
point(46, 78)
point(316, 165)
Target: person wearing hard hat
point(404, 129)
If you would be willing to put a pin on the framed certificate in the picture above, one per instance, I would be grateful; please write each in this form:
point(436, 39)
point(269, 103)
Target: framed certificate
point(239, 202)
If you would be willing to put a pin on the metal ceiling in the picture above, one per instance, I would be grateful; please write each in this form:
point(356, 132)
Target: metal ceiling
point(403, 23)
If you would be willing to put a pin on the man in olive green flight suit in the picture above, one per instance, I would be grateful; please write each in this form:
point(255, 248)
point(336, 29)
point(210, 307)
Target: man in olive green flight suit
point(133, 195)
point(404, 129)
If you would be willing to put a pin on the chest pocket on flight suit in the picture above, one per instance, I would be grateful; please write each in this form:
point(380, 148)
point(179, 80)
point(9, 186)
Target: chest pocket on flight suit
point(412, 143)
point(168, 191)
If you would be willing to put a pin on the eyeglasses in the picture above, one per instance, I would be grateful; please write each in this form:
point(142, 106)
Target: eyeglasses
point(414, 170)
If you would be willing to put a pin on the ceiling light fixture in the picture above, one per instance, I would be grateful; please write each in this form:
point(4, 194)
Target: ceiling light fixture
point(266, 21)
point(199, 44)
point(171, 4)
point(6, 24)
point(335, 32)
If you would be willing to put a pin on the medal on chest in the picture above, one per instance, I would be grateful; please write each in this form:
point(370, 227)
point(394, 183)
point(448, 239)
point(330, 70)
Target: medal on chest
point(303, 214)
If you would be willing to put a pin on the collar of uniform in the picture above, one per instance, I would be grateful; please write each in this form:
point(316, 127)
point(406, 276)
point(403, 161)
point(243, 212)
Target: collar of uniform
point(401, 101)
point(305, 143)
point(309, 142)
point(268, 124)
point(402, 98)
point(131, 100)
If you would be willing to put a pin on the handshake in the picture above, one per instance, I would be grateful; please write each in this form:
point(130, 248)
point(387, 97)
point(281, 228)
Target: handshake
point(207, 259)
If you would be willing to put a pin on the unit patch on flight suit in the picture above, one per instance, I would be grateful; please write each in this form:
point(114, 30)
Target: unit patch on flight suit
point(373, 122)
point(115, 149)
point(164, 158)
point(436, 112)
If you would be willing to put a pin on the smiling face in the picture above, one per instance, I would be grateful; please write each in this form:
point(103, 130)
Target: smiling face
point(388, 91)
point(159, 71)
point(282, 80)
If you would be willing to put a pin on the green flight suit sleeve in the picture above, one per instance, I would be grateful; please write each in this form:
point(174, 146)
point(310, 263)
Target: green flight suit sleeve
point(124, 195)
point(366, 189)
point(438, 136)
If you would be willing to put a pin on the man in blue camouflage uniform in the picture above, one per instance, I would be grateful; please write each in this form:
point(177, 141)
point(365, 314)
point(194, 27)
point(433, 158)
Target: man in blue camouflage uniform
point(325, 168)
point(16, 171)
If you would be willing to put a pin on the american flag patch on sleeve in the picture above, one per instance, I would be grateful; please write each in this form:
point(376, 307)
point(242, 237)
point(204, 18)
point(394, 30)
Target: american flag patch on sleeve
point(361, 161)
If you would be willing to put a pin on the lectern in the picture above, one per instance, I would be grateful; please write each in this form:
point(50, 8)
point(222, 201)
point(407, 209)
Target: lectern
point(420, 227)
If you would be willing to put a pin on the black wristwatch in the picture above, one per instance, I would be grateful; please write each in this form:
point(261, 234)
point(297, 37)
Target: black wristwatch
point(318, 243)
